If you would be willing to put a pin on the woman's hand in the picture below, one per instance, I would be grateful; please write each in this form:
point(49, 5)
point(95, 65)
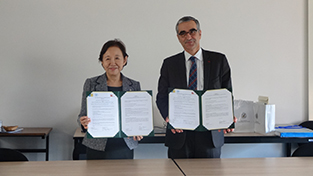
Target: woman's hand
point(137, 138)
point(84, 120)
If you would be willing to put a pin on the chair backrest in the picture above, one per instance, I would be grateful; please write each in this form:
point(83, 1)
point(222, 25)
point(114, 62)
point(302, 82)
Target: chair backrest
point(307, 124)
point(11, 155)
point(304, 150)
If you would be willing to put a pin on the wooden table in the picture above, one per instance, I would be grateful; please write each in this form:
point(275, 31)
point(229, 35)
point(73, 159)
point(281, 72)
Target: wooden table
point(285, 166)
point(149, 167)
point(32, 132)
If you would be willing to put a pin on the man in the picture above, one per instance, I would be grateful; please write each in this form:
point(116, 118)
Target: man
point(212, 72)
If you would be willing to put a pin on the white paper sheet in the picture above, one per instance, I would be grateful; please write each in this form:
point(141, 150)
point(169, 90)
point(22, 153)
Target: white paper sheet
point(102, 109)
point(184, 109)
point(137, 119)
point(217, 109)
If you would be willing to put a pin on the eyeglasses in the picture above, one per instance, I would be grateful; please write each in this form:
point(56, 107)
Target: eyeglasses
point(192, 32)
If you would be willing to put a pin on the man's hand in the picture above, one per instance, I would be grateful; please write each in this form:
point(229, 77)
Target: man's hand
point(174, 131)
point(137, 138)
point(229, 130)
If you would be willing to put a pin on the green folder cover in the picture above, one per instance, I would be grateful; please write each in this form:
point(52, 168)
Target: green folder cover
point(201, 126)
point(134, 98)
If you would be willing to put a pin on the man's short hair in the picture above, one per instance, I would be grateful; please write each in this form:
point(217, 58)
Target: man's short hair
point(185, 19)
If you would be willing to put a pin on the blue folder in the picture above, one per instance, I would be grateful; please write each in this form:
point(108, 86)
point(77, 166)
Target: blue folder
point(293, 131)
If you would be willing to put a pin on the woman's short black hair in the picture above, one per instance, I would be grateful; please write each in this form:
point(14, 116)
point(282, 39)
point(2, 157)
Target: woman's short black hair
point(116, 42)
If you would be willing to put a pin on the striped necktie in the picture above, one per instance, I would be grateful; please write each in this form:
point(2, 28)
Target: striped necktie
point(192, 84)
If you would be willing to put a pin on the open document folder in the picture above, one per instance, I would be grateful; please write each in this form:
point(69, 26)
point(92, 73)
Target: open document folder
point(201, 110)
point(119, 114)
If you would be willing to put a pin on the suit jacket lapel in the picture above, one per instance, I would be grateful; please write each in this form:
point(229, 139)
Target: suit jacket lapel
point(102, 83)
point(206, 67)
point(181, 70)
point(127, 84)
point(103, 86)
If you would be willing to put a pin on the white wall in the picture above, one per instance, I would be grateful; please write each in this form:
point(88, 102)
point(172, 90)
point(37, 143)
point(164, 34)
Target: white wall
point(49, 47)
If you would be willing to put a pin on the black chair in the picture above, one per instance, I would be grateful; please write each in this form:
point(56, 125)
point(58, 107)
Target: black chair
point(304, 150)
point(307, 124)
point(11, 155)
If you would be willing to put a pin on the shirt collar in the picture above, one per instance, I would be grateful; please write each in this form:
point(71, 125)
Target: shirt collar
point(198, 55)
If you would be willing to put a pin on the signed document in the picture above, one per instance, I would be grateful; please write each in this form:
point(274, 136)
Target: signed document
point(200, 110)
point(184, 109)
point(102, 109)
point(137, 113)
point(119, 114)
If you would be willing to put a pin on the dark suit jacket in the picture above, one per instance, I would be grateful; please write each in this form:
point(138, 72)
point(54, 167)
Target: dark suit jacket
point(173, 75)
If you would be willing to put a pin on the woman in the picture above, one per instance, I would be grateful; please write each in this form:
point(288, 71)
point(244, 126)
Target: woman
point(113, 58)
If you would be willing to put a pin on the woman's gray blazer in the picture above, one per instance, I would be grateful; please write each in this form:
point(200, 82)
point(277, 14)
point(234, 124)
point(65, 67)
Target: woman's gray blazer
point(99, 83)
